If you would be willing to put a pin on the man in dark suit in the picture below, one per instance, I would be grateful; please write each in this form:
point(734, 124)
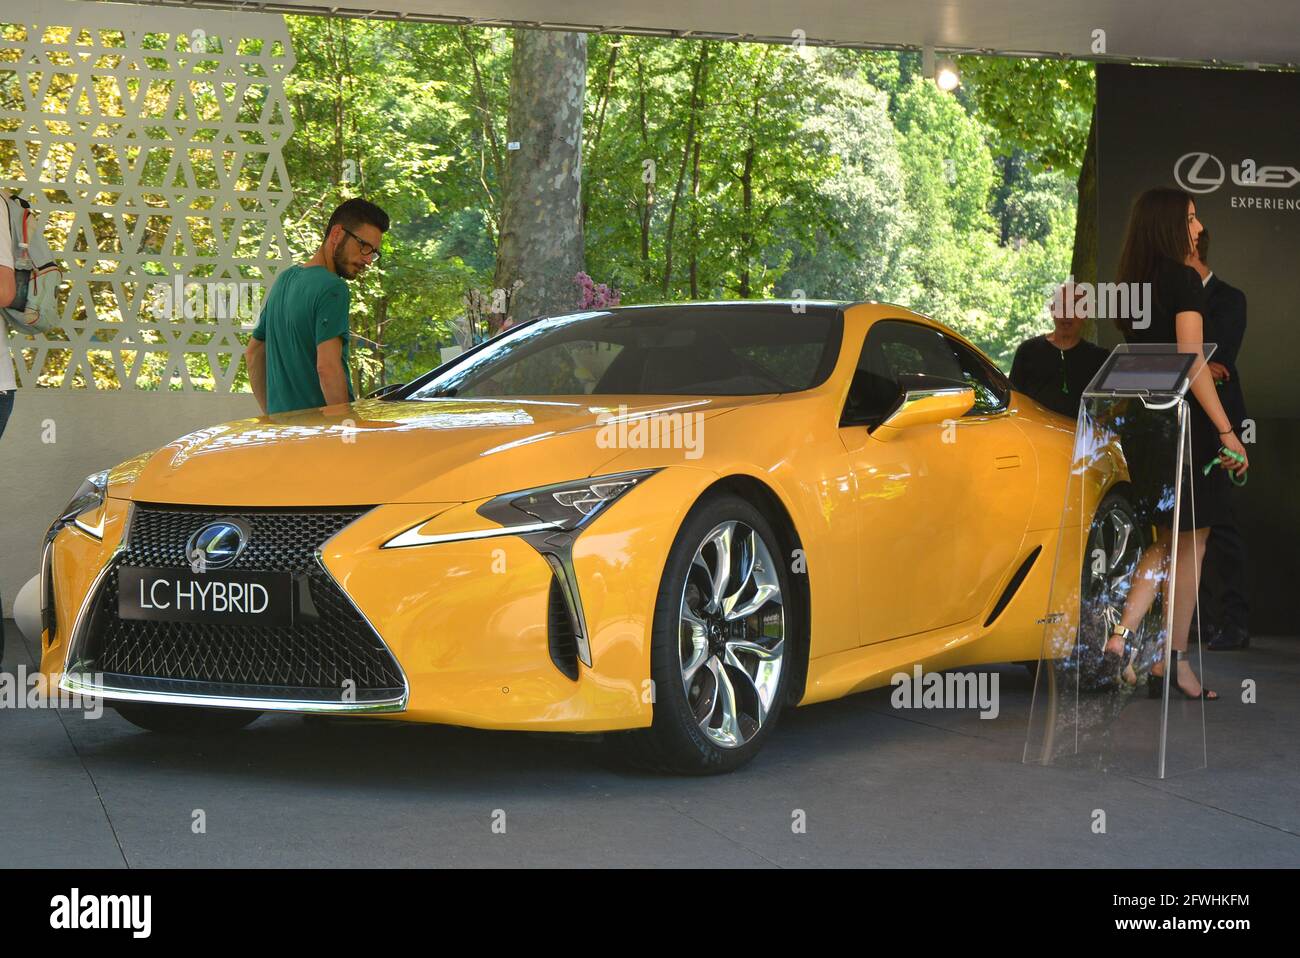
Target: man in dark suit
point(1223, 580)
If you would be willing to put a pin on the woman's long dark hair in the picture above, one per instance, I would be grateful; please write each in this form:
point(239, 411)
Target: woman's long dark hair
point(1157, 231)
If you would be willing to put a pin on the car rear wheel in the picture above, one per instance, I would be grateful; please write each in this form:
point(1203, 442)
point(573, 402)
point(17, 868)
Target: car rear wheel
point(185, 719)
point(721, 643)
point(1115, 544)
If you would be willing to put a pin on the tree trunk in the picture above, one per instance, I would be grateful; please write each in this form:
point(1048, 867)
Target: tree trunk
point(338, 105)
point(541, 228)
point(698, 82)
point(1083, 264)
point(608, 85)
point(381, 353)
point(747, 212)
point(648, 202)
point(747, 226)
point(488, 131)
point(695, 223)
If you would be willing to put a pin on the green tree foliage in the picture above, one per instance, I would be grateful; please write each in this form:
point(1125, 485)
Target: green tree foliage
point(1040, 107)
point(696, 166)
point(378, 115)
point(710, 170)
point(863, 251)
point(717, 170)
point(945, 152)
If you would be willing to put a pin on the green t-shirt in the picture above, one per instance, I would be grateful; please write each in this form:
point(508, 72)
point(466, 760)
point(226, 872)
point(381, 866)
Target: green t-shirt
point(307, 306)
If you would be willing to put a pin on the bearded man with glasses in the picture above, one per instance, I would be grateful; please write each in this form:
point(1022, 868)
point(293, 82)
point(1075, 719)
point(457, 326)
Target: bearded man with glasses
point(298, 354)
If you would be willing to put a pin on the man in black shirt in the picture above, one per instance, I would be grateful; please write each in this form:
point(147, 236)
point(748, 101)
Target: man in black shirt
point(1223, 580)
point(1054, 369)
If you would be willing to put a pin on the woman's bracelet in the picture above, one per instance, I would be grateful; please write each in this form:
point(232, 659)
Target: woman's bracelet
point(1225, 432)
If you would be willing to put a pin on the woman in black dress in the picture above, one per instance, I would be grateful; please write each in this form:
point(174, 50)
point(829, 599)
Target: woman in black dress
point(1162, 233)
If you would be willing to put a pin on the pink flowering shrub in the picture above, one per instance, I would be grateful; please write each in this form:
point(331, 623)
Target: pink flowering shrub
point(592, 295)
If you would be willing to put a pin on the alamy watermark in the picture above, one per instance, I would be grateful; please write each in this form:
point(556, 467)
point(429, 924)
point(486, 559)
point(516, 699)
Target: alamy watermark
point(946, 690)
point(18, 690)
point(75, 910)
point(207, 299)
point(1127, 301)
point(654, 430)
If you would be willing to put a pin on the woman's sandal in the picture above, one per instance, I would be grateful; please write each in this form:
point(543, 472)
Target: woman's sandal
point(1125, 662)
point(1156, 684)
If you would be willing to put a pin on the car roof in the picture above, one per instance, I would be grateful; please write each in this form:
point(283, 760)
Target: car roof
point(809, 307)
point(867, 310)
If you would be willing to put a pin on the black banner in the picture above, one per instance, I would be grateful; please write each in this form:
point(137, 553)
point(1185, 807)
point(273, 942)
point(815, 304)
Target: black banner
point(1230, 138)
point(334, 909)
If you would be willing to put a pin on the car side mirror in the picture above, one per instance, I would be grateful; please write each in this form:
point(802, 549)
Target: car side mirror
point(925, 401)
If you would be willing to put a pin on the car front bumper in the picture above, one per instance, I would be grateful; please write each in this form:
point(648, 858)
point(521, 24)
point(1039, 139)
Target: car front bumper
point(467, 623)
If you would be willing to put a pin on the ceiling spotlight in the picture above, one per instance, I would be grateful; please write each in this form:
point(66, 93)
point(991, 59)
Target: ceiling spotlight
point(946, 76)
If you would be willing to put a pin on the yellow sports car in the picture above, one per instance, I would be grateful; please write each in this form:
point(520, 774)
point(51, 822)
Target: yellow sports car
point(665, 523)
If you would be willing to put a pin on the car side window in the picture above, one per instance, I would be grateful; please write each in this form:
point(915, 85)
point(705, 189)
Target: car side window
point(992, 390)
point(912, 349)
point(895, 348)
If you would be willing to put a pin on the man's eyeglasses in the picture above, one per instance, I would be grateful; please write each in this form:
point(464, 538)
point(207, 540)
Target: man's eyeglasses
point(365, 248)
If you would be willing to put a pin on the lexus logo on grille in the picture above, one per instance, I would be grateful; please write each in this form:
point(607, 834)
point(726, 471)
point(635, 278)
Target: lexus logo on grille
point(1199, 172)
point(216, 545)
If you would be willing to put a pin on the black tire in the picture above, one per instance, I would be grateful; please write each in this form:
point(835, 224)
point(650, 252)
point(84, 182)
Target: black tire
point(185, 719)
point(675, 742)
point(1094, 600)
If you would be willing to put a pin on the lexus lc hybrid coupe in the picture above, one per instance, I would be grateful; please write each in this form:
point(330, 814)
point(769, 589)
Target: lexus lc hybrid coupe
point(662, 523)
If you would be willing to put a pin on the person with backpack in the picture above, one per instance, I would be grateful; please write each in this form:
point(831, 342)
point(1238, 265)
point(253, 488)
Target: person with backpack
point(8, 287)
point(8, 385)
point(29, 281)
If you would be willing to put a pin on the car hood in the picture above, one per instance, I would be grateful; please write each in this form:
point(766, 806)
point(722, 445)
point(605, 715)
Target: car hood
point(378, 451)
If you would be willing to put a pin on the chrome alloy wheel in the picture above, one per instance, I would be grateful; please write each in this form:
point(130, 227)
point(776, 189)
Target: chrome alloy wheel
point(1114, 547)
point(1113, 550)
point(731, 636)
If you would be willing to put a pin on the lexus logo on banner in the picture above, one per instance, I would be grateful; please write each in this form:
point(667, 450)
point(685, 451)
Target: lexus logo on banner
point(1199, 172)
point(1204, 173)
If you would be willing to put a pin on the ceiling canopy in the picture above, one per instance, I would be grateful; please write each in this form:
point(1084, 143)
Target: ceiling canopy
point(1228, 31)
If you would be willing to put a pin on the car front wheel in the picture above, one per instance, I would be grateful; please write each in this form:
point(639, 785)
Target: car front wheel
point(721, 644)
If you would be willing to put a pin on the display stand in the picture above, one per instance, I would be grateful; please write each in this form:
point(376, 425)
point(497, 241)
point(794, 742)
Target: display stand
point(1118, 549)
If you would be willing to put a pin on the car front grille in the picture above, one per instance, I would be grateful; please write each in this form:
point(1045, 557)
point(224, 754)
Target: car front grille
point(329, 654)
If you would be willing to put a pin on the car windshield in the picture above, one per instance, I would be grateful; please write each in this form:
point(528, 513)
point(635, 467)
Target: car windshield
point(685, 350)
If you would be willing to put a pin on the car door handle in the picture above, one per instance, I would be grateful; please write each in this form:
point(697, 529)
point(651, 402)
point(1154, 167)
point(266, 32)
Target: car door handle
point(1006, 462)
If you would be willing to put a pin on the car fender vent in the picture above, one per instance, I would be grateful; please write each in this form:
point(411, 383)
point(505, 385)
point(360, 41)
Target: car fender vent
point(49, 619)
point(1005, 598)
point(561, 636)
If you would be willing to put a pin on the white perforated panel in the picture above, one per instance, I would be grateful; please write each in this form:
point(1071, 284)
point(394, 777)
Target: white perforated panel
point(151, 141)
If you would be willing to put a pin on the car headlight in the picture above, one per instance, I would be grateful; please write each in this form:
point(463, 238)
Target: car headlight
point(564, 507)
point(88, 498)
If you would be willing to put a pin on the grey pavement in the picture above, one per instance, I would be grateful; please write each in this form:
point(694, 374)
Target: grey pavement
point(876, 787)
